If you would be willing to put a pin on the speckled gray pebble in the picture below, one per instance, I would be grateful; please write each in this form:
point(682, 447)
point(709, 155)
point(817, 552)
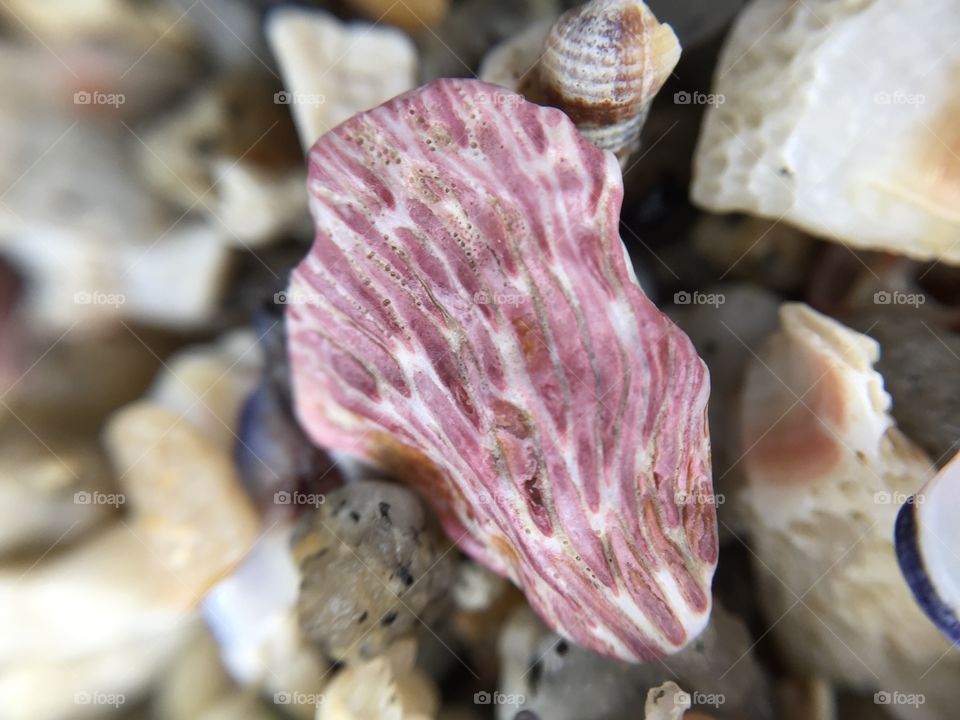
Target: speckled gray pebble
point(373, 565)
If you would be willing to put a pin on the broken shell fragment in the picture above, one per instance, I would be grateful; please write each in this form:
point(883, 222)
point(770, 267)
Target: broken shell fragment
point(333, 70)
point(602, 64)
point(468, 322)
point(666, 702)
point(927, 536)
point(862, 152)
point(918, 361)
point(231, 153)
point(389, 687)
point(826, 470)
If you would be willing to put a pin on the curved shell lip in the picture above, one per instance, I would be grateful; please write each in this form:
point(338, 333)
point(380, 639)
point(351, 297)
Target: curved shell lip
point(907, 542)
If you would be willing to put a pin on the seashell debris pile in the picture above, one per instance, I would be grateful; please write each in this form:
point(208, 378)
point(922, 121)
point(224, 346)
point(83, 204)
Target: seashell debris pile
point(480, 360)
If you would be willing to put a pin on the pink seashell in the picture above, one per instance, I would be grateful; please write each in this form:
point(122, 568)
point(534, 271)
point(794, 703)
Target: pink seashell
point(467, 320)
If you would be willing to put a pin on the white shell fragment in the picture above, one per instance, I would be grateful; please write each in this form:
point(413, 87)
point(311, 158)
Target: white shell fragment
point(252, 615)
point(826, 472)
point(841, 121)
point(333, 70)
point(666, 702)
point(388, 687)
point(205, 385)
point(928, 536)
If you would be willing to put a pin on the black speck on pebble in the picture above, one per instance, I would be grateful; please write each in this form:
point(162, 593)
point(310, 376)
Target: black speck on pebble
point(403, 572)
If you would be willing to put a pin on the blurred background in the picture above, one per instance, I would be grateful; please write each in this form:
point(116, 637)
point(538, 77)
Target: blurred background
point(152, 203)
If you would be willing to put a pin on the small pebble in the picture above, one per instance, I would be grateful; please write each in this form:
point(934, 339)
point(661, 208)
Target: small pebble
point(372, 564)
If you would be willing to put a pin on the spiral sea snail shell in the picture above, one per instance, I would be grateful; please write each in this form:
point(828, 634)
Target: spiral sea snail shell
point(602, 64)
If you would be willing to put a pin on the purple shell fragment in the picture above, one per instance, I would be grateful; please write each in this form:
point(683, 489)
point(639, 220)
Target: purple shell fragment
point(467, 321)
point(927, 537)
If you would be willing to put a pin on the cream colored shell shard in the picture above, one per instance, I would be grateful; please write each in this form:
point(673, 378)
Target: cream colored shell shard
point(332, 70)
point(826, 472)
point(838, 120)
point(389, 687)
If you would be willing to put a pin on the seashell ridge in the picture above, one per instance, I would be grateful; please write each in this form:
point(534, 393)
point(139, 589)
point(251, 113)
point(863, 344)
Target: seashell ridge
point(468, 321)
